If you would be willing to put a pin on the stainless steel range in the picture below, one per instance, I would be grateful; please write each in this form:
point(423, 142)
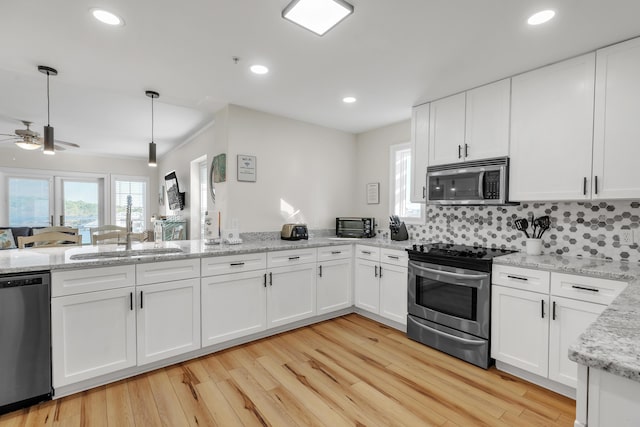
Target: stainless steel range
point(450, 299)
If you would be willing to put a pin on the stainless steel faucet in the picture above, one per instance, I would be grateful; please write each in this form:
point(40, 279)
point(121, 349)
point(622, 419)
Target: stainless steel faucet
point(129, 224)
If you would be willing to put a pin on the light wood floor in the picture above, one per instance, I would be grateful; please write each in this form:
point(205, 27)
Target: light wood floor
point(346, 371)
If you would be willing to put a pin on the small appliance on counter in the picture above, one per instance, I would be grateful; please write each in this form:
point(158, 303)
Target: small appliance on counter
point(398, 228)
point(294, 232)
point(355, 227)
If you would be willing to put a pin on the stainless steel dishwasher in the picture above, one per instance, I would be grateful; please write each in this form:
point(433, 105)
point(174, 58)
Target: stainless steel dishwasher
point(25, 340)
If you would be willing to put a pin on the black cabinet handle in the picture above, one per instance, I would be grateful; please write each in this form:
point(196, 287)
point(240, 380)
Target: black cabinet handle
point(366, 252)
point(517, 278)
point(336, 252)
point(595, 184)
point(392, 257)
point(376, 271)
point(380, 271)
point(293, 258)
point(141, 301)
point(542, 308)
point(233, 264)
point(553, 311)
point(131, 301)
point(265, 280)
point(459, 151)
point(582, 288)
point(320, 267)
point(270, 279)
point(424, 192)
point(584, 186)
point(466, 150)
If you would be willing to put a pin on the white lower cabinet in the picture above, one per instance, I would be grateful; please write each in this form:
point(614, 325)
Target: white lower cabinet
point(168, 319)
point(233, 306)
point(381, 283)
point(333, 285)
point(612, 400)
point(291, 294)
point(92, 334)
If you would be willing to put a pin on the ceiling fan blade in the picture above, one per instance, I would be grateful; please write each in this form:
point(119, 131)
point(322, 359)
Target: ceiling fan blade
point(9, 134)
point(10, 139)
point(70, 144)
point(59, 148)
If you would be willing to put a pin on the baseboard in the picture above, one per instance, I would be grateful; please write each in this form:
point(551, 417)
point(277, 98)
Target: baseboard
point(377, 318)
point(562, 389)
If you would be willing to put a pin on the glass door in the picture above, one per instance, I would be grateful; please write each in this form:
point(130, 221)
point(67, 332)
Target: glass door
point(30, 201)
point(80, 204)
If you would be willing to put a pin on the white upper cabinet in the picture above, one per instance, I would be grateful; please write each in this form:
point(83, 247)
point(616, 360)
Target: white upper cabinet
point(472, 125)
point(552, 131)
point(617, 126)
point(419, 152)
point(487, 121)
point(446, 130)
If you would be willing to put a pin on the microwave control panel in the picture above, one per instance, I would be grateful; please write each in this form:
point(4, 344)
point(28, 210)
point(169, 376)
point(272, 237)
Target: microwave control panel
point(491, 187)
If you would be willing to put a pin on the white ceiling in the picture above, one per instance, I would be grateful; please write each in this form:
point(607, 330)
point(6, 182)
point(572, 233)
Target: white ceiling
point(390, 54)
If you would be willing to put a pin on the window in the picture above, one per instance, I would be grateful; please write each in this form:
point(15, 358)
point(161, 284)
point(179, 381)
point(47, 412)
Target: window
point(136, 187)
point(400, 186)
point(203, 195)
point(29, 202)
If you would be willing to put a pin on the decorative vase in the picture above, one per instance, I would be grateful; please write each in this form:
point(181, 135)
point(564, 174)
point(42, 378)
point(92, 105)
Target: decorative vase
point(534, 246)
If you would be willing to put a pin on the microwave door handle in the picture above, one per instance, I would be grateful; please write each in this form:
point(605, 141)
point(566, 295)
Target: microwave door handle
point(449, 274)
point(481, 185)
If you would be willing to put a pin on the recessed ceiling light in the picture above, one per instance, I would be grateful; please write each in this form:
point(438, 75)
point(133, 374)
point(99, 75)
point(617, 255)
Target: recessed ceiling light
point(348, 100)
point(541, 17)
point(318, 16)
point(107, 17)
point(259, 69)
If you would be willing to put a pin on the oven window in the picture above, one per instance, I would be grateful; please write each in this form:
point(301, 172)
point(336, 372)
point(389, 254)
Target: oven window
point(454, 300)
point(463, 186)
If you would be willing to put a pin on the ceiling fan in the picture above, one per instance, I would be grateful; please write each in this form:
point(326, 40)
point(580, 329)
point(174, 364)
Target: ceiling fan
point(28, 139)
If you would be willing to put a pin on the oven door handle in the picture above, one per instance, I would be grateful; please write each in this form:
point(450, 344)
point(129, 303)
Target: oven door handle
point(448, 273)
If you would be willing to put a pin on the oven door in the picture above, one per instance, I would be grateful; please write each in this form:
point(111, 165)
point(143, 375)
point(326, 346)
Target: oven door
point(453, 297)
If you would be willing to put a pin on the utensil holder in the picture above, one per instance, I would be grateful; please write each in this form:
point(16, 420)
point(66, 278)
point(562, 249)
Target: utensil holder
point(534, 246)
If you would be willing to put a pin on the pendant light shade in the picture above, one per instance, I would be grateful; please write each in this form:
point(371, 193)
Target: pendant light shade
point(49, 146)
point(152, 145)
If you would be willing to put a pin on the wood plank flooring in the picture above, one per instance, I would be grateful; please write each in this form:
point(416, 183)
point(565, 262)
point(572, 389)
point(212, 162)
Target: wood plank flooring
point(348, 371)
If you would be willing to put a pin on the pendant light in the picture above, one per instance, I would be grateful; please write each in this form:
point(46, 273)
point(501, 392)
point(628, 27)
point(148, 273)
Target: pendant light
point(49, 146)
point(152, 145)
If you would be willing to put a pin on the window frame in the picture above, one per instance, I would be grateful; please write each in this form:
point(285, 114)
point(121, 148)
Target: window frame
point(393, 149)
point(147, 197)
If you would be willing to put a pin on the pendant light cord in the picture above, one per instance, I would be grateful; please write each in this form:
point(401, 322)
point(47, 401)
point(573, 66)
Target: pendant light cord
point(48, 118)
point(152, 119)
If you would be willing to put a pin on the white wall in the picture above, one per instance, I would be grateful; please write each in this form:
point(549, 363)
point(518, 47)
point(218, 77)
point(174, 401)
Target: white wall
point(301, 168)
point(372, 165)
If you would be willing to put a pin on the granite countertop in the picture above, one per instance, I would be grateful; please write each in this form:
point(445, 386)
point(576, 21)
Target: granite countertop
point(612, 342)
point(39, 259)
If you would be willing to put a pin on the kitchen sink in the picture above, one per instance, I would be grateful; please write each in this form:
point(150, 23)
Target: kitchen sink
point(127, 254)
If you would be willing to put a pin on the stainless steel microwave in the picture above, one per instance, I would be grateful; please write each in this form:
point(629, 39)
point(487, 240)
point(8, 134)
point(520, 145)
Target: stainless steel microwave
point(355, 227)
point(480, 182)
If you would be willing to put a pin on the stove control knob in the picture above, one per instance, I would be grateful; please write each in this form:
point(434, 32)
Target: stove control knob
point(421, 248)
point(415, 247)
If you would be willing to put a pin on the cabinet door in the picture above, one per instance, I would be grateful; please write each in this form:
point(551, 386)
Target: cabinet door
point(552, 131)
point(569, 319)
point(291, 294)
point(419, 152)
point(168, 319)
point(393, 292)
point(92, 334)
point(487, 121)
point(367, 289)
point(520, 329)
point(233, 306)
point(446, 130)
point(617, 129)
point(333, 289)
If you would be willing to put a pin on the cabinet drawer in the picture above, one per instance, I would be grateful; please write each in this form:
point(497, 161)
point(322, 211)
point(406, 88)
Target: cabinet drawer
point(395, 257)
point(213, 266)
point(167, 271)
point(521, 278)
point(292, 257)
point(335, 252)
point(90, 280)
point(368, 252)
point(592, 289)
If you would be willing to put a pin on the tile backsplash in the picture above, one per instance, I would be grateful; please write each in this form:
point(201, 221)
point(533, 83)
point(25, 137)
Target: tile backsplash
point(587, 229)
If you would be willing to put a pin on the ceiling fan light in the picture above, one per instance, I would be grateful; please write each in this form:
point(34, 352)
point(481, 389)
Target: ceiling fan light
point(28, 145)
point(152, 154)
point(49, 146)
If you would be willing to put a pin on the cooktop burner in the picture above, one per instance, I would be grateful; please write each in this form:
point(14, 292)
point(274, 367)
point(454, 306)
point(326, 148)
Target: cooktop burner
point(454, 255)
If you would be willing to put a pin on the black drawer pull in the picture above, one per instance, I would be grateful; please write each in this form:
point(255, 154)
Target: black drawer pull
point(293, 258)
point(380, 271)
point(233, 264)
point(336, 252)
point(582, 288)
point(366, 252)
point(517, 278)
point(393, 257)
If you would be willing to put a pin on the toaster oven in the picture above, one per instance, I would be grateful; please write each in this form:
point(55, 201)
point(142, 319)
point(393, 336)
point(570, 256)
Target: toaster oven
point(355, 227)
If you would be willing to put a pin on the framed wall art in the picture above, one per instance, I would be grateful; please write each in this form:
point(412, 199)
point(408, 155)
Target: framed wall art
point(246, 168)
point(373, 193)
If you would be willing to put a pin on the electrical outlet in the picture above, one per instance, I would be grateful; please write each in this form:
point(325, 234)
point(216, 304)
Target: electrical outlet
point(626, 237)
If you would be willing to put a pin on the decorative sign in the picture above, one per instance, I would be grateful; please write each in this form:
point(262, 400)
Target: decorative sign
point(219, 167)
point(373, 193)
point(246, 168)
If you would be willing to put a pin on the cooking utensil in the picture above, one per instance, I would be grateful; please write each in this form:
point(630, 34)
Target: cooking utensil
point(544, 223)
point(536, 227)
point(521, 225)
